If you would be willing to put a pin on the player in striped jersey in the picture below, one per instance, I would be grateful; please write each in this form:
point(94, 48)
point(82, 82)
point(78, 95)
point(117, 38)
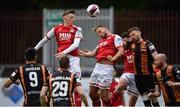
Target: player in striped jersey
point(144, 53)
point(32, 77)
point(61, 85)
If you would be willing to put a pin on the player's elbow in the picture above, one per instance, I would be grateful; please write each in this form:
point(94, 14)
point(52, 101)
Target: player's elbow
point(76, 45)
point(6, 85)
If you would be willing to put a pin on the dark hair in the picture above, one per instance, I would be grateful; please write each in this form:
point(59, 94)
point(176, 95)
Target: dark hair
point(30, 54)
point(95, 28)
point(132, 29)
point(64, 62)
point(68, 12)
point(124, 35)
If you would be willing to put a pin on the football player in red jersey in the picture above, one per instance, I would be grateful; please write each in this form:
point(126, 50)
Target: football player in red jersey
point(68, 37)
point(126, 80)
point(108, 50)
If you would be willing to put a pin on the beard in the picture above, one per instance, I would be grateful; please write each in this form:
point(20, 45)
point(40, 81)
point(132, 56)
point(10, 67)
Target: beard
point(104, 36)
point(159, 66)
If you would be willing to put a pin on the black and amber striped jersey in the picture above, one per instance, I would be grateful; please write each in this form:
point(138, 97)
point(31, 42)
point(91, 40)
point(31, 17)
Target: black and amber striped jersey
point(143, 59)
point(171, 94)
point(62, 84)
point(32, 77)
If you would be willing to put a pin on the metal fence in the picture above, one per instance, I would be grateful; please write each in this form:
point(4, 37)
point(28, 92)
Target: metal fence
point(19, 29)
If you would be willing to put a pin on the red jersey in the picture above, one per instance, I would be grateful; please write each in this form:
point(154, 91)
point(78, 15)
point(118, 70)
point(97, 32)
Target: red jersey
point(65, 37)
point(108, 46)
point(128, 61)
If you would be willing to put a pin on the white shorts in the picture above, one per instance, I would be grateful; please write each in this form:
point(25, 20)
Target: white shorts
point(75, 65)
point(130, 80)
point(102, 76)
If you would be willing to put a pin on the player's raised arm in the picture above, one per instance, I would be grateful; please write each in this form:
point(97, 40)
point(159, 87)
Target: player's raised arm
point(41, 43)
point(87, 53)
point(152, 49)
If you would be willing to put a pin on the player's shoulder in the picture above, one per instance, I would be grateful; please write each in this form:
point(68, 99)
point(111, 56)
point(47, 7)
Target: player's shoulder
point(17, 68)
point(147, 41)
point(116, 35)
point(77, 27)
point(42, 65)
point(58, 25)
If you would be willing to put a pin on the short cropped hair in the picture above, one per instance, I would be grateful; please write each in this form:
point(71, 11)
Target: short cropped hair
point(124, 35)
point(95, 28)
point(64, 62)
point(30, 54)
point(132, 29)
point(68, 12)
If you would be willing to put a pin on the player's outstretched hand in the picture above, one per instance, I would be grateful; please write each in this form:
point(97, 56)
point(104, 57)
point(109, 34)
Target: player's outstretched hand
point(82, 52)
point(110, 58)
point(59, 55)
point(170, 83)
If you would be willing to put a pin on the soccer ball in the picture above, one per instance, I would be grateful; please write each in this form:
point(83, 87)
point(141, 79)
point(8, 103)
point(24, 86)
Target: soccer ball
point(93, 10)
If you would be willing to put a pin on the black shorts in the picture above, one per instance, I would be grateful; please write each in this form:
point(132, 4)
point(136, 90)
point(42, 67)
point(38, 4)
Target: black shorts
point(33, 103)
point(62, 103)
point(145, 84)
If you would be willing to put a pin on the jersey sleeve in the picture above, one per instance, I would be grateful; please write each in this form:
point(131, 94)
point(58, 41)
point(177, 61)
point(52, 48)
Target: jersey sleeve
point(176, 73)
point(15, 75)
point(77, 81)
point(151, 47)
point(118, 41)
point(50, 34)
point(78, 33)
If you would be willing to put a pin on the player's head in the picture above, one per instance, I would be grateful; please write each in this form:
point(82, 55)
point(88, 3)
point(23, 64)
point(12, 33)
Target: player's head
point(69, 17)
point(126, 40)
point(159, 60)
point(30, 54)
point(125, 37)
point(134, 33)
point(64, 62)
point(102, 31)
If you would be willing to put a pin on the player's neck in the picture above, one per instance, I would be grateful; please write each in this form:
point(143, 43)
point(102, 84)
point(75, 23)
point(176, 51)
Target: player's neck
point(30, 62)
point(63, 69)
point(108, 33)
point(67, 24)
point(140, 40)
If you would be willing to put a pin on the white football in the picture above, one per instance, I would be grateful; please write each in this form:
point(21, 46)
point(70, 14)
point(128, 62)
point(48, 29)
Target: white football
point(93, 10)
